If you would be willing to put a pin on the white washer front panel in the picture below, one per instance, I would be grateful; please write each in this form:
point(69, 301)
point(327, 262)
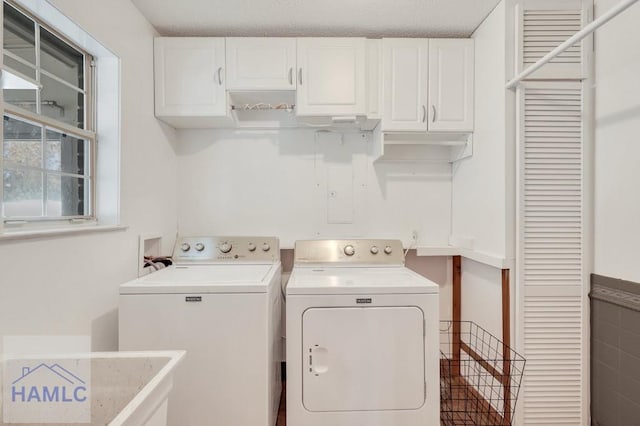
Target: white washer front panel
point(362, 359)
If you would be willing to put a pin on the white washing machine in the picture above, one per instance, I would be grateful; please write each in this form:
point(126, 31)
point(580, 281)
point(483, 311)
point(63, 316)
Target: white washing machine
point(362, 337)
point(221, 301)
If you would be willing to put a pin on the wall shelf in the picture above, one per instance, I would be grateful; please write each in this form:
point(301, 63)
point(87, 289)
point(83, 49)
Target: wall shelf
point(475, 255)
point(441, 147)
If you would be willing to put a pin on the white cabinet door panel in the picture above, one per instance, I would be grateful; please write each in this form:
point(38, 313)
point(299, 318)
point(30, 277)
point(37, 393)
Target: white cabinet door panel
point(331, 76)
point(261, 63)
point(405, 63)
point(451, 86)
point(359, 359)
point(189, 77)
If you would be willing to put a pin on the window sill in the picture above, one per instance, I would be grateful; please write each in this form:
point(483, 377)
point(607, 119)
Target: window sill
point(60, 232)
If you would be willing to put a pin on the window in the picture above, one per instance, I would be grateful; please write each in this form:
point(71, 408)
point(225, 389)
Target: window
point(49, 140)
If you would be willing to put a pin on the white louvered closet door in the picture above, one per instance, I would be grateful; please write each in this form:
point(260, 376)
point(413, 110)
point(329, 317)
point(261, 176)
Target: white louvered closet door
point(552, 266)
point(552, 271)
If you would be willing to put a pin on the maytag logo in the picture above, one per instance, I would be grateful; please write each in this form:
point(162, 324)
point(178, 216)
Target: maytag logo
point(363, 300)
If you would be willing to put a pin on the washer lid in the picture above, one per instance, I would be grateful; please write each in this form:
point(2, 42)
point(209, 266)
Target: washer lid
point(204, 279)
point(349, 280)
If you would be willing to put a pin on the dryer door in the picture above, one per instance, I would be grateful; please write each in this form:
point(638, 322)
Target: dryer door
point(359, 359)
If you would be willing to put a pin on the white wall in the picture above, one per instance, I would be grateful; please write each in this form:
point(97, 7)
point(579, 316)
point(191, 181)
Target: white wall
point(276, 183)
point(480, 182)
point(69, 285)
point(617, 150)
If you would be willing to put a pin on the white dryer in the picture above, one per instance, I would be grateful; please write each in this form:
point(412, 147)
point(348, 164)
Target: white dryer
point(362, 337)
point(221, 302)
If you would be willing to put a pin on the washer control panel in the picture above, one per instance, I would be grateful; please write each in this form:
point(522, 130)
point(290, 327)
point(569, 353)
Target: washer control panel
point(226, 249)
point(369, 252)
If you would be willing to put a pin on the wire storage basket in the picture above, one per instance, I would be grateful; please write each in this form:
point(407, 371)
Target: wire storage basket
point(480, 376)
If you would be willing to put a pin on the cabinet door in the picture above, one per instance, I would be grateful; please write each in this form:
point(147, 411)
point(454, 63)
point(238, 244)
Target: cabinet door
point(261, 63)
point(331, 76)
point(451, 76)
point(405, 68)
point(189, 77)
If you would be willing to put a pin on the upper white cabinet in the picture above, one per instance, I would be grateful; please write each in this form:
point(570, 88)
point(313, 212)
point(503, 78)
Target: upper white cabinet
point(189, 80)
point(451, 84)
point(428, 85)
point(412, 85)
point(331, 76)
point(405, 73)
point(261, 63)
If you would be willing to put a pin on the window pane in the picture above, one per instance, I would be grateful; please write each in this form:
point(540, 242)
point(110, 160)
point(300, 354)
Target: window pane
point(65, 153)
point(60, 59)
point(21, 98)
point(22, 195)
point(27, 70)
point(66, 196)
point(22, 143)
point(61, 102)
point(19, 34)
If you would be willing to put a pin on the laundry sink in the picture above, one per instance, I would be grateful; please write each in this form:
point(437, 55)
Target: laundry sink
point(123, 388)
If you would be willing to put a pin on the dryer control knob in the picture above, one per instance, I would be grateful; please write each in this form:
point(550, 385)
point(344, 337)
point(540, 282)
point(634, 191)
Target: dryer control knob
point(349, 250)
point(251, 247)
point(226, 247)
point(266, 247)
point(388, 250)
point(185, 247)
point(199, 246)
point(374, 250)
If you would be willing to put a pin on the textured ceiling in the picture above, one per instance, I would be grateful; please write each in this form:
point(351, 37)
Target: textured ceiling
point(372, 18)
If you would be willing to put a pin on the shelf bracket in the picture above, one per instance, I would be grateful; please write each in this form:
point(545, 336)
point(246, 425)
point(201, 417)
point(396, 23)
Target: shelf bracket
point(465, 151)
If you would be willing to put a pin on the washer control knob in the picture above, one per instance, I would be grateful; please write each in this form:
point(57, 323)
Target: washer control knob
point(349, 250)
point(226, 247)
point(251, 247)
point(374, 250)
point(185, 247)
point(388, 250)
point(266, 247)
point(199, 246)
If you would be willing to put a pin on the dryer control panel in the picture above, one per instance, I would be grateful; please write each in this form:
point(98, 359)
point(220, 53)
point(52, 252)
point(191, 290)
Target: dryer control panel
point(226, 249)
point(356, 252)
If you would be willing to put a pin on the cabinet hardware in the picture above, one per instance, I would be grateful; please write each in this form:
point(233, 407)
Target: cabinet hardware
point(424, 113)
point(433, 108)
point(291, 76)
point(220, 76)
point(300, 76)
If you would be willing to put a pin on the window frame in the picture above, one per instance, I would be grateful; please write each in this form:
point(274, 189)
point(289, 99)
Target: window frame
point(88, 133)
